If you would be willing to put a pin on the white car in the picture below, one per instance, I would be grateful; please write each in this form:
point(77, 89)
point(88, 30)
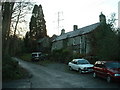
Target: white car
point(81, 65)
point(36, 56)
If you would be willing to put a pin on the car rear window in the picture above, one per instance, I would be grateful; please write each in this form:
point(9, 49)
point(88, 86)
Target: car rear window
point(113, 65)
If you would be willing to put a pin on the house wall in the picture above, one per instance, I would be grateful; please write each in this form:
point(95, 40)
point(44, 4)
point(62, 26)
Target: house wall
point(70, 42)
point(46, 42)
point(78, 44)
point(84, 44)
point(57, 45)
point(43, 44)
point(88, 46)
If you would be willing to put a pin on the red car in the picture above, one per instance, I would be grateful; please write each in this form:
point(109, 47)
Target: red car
point(110, 70)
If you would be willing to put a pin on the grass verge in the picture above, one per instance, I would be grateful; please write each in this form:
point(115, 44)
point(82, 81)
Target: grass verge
point(11, 70)
point(26, 57)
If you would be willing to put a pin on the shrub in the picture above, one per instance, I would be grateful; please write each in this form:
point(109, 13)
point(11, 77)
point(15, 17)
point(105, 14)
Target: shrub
point(64, 55)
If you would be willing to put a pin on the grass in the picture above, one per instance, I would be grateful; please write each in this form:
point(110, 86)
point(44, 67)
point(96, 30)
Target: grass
point(27, 57)
point(19, 73)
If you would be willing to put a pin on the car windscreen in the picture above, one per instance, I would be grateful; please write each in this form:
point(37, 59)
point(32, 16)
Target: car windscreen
point(113, 65)
point(33, 55)
point(83, 62)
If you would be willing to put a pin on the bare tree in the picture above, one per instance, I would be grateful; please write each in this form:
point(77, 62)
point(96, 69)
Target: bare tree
point(13, 13)
point(112, 20)
point(21, 9)
point(19, 12)
point(7, 8)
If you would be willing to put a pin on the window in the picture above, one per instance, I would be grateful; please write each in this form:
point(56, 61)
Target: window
point(97, 65)
point(100, 65)
point(80, 39)
point(113, 65)
point(83, 62)
point(73, 41)
point(75, 62)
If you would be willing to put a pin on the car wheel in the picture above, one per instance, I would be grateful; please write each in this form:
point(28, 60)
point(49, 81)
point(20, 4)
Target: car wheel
point(80, 71)
point(108, 79)
point(70, 68)
point(94, 75)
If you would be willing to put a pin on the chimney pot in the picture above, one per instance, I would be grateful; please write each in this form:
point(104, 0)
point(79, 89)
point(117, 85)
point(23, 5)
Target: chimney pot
point(75, 27)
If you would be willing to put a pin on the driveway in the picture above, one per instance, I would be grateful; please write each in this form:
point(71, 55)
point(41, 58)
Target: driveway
point(57, 75)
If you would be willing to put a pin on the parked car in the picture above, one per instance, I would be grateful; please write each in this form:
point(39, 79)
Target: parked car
point(36, 56)
point(110, 70)
point(81, 65)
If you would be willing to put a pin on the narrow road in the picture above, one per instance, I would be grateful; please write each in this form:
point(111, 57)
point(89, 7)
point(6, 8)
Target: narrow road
point(52, 76)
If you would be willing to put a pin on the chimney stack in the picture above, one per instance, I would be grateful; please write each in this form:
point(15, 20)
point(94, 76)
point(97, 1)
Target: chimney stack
point(102, 18)
point(75, 27)
point(62, 31)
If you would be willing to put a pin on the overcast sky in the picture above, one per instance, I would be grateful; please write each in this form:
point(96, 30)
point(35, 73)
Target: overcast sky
point(75, 12)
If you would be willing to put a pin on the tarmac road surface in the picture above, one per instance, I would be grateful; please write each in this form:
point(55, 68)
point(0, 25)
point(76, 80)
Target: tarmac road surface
point(54, 76)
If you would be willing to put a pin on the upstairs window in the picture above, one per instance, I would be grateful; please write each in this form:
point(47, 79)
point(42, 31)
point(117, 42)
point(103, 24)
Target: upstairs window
point(73, 41)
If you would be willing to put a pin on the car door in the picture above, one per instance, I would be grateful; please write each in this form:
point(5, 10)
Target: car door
point(103, 70)
point(98, 69)
point(74, 65)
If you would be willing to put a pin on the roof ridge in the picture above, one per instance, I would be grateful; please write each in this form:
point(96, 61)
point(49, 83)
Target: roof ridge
point(80, 31)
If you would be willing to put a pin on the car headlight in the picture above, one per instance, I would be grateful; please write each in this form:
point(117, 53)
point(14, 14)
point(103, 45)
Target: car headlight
point(116, 74)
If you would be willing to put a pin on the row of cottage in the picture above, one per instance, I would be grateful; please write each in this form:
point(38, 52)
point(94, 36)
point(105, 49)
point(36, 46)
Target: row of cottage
point(78, 39)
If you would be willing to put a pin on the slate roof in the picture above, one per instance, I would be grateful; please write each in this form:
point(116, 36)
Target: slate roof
point(77, 32)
